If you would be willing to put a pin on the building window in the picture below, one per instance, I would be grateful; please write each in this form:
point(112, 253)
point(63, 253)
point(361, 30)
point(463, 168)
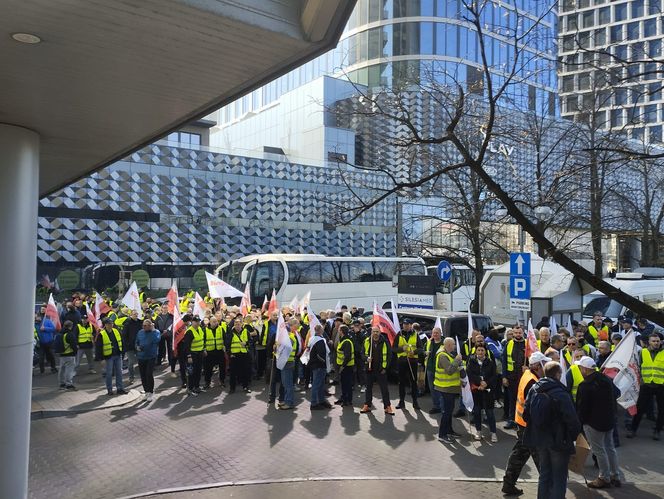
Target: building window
point(655, 134)
point(584, 81)
point(589, 19)
point(654, 7)
point(568, 83)
point(605, 15)
point(185, 138)
point(600, 37)
point(620, 12)
point(633, 31)
point(637, 9)
point(649, 27)
point(616, 34)
point(572, 24)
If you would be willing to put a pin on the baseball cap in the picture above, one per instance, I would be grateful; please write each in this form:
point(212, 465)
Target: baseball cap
point(586, 362)
point(538, 357)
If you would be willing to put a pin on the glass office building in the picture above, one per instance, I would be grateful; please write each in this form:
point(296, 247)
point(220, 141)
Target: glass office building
point(389, 42)
point(610, 54)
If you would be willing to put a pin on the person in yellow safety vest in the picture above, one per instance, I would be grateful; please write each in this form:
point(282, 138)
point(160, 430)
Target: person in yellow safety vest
point(447, 381)
point(345, 361)
point(260, 345)
point(433, 344)
point(121, 318)
point(215, 352)
point(377, 355)
point(573, 377)
point(109, 347)
point(237, 347)
point(184, 305)
point(68, 357)
point(408, 347)
point(514, 363)
point(520, 453)
point(652, 385)
point(468, 346)
point(287, 375)
point(193, 344)
point(85, 344)
point(141, 296)
point(597, 330)
point(572, 346)
point(544, 341)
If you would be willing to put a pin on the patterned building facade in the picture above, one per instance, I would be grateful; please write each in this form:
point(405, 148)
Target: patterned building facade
point(177, 204)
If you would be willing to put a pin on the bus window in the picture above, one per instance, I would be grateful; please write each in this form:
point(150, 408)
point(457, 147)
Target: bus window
point(603, 304)
point(333, 272)
point(267, 276)
point(361, 272)
point(406, 268)
point(304, 272)
point(384, 270)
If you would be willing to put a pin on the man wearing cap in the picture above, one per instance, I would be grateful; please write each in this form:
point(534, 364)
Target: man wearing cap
point(520, 452)
point(377, 355)
point(109, 348)
point(652, 385)
point(597, 408)
point(514, 361)
point(407, 346)
point(552, 430)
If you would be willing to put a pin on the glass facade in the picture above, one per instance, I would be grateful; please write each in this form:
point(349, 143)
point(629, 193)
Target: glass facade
point(623, 63)
point(389, 42)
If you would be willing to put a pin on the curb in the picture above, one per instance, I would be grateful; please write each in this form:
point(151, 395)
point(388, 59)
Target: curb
point(46, 413)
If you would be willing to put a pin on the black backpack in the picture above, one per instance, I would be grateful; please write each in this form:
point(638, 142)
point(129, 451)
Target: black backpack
point(542, 410)
point(59, 343)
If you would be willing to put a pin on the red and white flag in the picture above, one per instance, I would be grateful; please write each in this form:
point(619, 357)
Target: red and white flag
point(283, 342)
point(273, 306)
point(531, 341)
point(132, 300)
point(179, 327)
point(101, 308)
point(245, 303)
point(382, 321)
point(266, 303)
point(172, 297)
point(623, 366)
point(199, 306)
point(221, 289)
point(91, 318)
point(52, 313)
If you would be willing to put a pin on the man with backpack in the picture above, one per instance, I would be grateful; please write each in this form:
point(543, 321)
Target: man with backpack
point(66, 345)
point(553, 427)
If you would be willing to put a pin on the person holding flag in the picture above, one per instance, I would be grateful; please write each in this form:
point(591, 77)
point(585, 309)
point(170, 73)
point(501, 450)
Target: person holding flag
point(514, 364)
point(651, 361)
point(318, 364)
point(285, 348)
point(434, 344)
point(193, 344)
point(447, 380)
point(164, 324)
point(408, 346)
point(377, 359)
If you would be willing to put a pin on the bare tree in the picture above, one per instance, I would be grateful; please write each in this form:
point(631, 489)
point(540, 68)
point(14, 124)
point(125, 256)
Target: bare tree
point(466, 127)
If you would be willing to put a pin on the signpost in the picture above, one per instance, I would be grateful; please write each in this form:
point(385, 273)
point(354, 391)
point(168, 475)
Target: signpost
point(520, 281)
point(445, 273)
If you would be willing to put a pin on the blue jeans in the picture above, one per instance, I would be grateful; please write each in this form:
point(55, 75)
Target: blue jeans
point(601, 443)
point(287, 382)
point(435, 394)
point(317, 386)
point(114, 363)
point(552, 473)
point(446, 416)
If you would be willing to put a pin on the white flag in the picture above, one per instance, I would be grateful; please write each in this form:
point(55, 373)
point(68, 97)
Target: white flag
point(132, 301)
point(466, 393)
point(623, 366)
point(220, 289)
point(563, 365)
point(199, 306)
point(337, 307)
point(245, 303)
point(283, 341)
point(470, 324)
point(438, 325)
point(294, 305)
point(569, 325)
point(553, 327)
point(304, 303)
point(313, 322)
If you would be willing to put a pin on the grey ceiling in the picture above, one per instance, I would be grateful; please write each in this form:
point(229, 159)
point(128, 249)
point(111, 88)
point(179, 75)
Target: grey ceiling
point(111, 76)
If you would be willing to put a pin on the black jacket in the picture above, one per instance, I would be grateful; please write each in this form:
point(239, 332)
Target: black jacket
point(486, 371)
point(317, 355)
point(164, 323)
point(596, 401)
point(130, 329)
point(563, 426)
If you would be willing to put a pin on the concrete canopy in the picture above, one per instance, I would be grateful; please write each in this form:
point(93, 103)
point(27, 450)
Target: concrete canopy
point(112, 76)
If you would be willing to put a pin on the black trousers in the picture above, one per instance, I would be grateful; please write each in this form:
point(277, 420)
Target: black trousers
point(518, 458)
point(146, 368)
point(240, 370)
point(512, 389)
point(196, 368)
point(376, 377)
point(182, 362)
point(346, 378)
point(46, 353)
point(261, 359)
point(407, 375)
point(647, 393)
point(213, 359)
point(166, 352)
point(275, 377)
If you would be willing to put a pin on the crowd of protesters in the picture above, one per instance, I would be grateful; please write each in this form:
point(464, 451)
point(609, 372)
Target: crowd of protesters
point(549, 398)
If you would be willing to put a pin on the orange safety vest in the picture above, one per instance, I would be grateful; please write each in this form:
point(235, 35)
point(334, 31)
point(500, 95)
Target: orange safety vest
point(526, 378)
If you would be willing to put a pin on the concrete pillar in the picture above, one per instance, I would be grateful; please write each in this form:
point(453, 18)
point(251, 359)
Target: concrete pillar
point(19, 195)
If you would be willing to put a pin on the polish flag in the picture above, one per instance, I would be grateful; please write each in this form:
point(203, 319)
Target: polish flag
point(52, 313)
point(266, 303)
point(172, 297)
point(179, 327)
point(91, 318)
point(245, 303)
point(382, 321)
point(101, 308)
point(531, 341)
point(199, 306)
point(273, 306)
point(623, 367)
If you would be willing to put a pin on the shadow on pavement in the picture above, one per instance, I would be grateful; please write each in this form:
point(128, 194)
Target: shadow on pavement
point(279, 424)
point(385, 430)
point(319, 423)
point(350, 420)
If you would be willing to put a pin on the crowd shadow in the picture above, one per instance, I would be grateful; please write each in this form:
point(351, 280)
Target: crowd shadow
point(279, 424)
point(319, 423)
point(386, 431)
point(350, 420)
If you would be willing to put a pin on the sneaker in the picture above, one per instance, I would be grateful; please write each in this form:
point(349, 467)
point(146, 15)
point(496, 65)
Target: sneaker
point(363, 389)
point(510, 426)
point(434, 411)
point(121, 392)
point(494, 438)
point(174, 374)
point(511, 490)
point(615, 481)
point(476, 434)
point(389, 411)
point(183, 385)
point(446, 439)
point(285, 407)
point(150, 396)
point(365, 409)
point(192, 392)
point(401, 405)
point(599, 483)
point(145, 396)
point(92, 371)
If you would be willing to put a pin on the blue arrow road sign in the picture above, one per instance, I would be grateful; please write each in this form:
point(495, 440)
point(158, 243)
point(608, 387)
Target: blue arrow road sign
point(444, 271)
point(520, 276)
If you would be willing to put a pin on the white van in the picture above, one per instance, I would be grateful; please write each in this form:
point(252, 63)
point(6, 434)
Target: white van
point(646, 284)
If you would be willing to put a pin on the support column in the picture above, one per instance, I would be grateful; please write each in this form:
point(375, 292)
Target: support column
point(19, 195)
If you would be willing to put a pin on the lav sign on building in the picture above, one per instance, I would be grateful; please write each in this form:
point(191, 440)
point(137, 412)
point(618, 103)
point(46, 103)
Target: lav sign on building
point(520, 281)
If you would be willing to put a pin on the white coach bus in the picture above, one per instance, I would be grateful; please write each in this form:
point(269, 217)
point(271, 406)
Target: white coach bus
point(351, 280)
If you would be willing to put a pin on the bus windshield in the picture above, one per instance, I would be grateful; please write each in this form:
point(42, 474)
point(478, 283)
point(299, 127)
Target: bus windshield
point(232, 274)
point(603, 304)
